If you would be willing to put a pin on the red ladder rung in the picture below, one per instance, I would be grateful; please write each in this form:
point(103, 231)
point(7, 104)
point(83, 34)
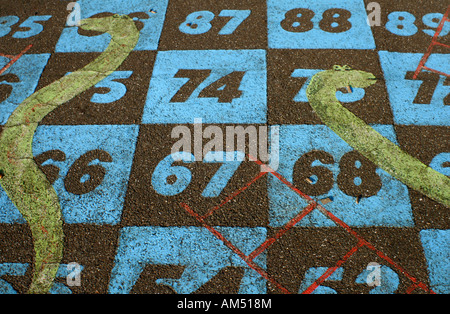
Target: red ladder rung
point(436, 71)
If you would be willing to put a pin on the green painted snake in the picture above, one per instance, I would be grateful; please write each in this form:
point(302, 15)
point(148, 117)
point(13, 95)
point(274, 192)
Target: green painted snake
point(31, 192)
point(321, 93)
point(25, 184)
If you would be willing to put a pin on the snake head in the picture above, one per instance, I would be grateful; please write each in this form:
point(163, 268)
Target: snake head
point(106, 24)
point(346, 77)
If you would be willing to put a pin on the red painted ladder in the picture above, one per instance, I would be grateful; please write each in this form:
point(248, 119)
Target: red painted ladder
point(434, 42)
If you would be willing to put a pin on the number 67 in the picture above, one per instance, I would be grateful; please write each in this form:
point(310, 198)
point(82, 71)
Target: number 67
point(183, 175)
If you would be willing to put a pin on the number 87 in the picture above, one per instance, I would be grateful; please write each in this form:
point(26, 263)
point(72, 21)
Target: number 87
point(200, 22)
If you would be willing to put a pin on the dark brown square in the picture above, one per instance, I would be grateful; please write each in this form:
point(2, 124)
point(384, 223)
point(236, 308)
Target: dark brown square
point(299, 249)
point(144, 206)
point(282, 88)
point(303, 248)
point(250, 34)
point(80, 110)
point(45, 40)
point(411, 25)
point(93, 247)
point(424, 143)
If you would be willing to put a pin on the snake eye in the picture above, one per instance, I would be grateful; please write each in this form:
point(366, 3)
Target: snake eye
point(347, 68)
point(137, 17)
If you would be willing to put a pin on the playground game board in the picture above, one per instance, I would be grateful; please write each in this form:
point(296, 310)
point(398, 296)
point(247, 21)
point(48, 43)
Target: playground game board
point(324, 219)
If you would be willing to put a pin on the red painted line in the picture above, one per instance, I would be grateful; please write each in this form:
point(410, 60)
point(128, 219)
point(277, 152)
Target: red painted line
point(411, 288)
point(43, 229)
point(420, 285)
point(441, 24)
point(280, 233)
point(400, 269)
point(361, 240)
point(436, 71)
point(7, 56)
point(341, 223)
point(441, 44)
point(231, 246)
point(249, 259)
point(430, 47)
point(13, 60)
point(234, 194)
point(369, 245)
point(285, 181)
point(331, 270)
point(214, 231)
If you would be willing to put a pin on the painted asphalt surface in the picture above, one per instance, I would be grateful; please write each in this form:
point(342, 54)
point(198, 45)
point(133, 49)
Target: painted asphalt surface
point(140, 222)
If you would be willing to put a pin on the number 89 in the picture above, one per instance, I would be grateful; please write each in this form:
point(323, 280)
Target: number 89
point(401, 23)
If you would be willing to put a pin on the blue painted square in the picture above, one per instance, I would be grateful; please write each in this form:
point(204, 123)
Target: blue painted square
point(71, 41)
point(102, 205)
point(436, 246)
point(403, 91)
point(390, 207)
point(249, 107)
point(28, 70)
point(197, 249)
point(318, 25)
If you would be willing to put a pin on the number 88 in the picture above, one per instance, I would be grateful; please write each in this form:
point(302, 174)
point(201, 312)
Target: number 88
point(333, 20)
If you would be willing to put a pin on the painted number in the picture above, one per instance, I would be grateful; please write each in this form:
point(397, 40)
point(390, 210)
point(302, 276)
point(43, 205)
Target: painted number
point(200, 22)
point(6, 87)
point(441, 163)
point(314, 273)
point(5, 24)
point(34, 28)
point(402, 23)
point(381, 278)
point(170, 180)
point(10, 269)
point(224, 89)
point(387, 283)
point(305, 76)
point(18, 269)
point(116, 89)
point(357, 176)
point(300, 20)
point(430, 82)
point(82, 177)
